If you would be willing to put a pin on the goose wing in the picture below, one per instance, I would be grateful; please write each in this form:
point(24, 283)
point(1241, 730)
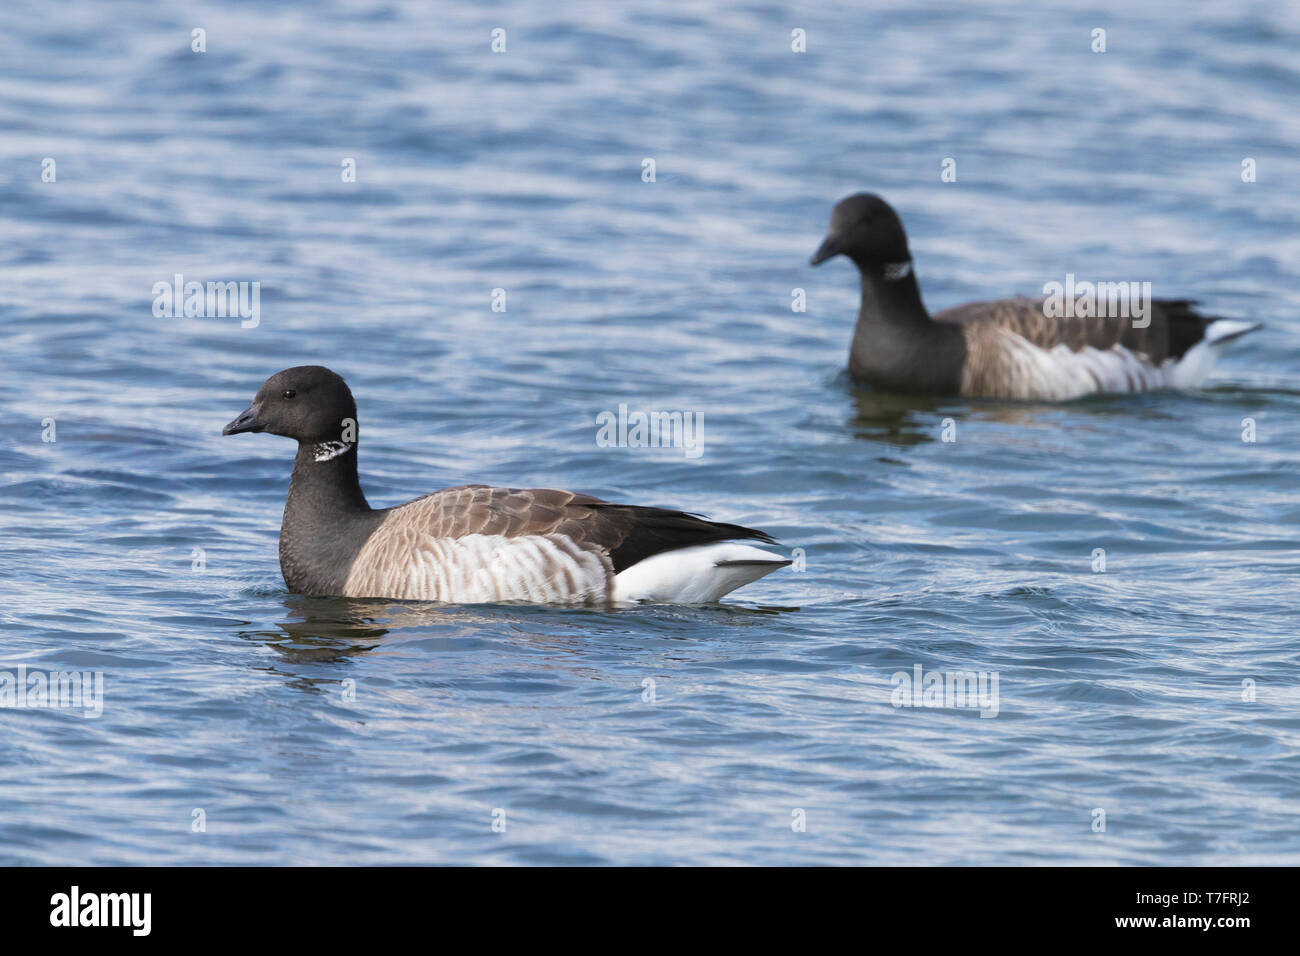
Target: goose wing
point(1175, 326)
point(481, 543)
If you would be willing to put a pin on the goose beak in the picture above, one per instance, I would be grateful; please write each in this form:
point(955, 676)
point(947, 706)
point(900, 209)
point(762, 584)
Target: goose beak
point(246, 422)
point(829, 248)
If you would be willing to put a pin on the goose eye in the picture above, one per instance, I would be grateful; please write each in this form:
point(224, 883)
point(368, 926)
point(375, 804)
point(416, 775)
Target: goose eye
point(289, 393)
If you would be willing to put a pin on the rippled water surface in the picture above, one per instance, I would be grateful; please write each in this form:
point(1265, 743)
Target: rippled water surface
point(142, 545)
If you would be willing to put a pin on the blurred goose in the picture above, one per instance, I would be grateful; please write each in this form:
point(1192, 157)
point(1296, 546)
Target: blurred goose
point(475, 543)
point(1008, 348)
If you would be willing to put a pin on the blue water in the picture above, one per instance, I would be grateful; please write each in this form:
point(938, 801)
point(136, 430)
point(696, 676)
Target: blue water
point(141, 544)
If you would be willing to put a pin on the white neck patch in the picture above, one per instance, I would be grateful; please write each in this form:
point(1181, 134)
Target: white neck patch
point(898, 270)
point(330, 449)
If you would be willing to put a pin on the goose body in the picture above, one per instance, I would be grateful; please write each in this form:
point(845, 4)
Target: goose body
point(1008, 348)
point(1012, 350)
point(477, 544)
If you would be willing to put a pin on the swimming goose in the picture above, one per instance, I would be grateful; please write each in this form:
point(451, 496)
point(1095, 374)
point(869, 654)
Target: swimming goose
point(1023, 348)
point(475, 543)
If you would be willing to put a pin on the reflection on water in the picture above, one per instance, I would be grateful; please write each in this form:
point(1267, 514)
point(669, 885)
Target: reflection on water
point(903, 420)
point(324, 629)
point(910, 420)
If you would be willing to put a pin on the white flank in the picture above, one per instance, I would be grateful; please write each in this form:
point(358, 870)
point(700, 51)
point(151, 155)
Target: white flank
point(1023, 370)
point(478, 569)
point(697, 575)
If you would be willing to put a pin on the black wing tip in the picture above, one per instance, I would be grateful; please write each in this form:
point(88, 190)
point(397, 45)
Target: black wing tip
point(740, 532)
point(676, 514)
point(750, 563)
point(648, 531)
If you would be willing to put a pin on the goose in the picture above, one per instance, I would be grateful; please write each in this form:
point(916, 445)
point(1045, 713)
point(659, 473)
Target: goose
point(1021, 348)
point(476, 544)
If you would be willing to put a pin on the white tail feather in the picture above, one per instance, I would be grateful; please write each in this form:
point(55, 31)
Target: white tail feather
point(1221, 330)
point(1195, 366)
point(696, 575)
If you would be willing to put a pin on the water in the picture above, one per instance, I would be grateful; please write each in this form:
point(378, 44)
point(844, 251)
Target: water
point(1120, 691)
